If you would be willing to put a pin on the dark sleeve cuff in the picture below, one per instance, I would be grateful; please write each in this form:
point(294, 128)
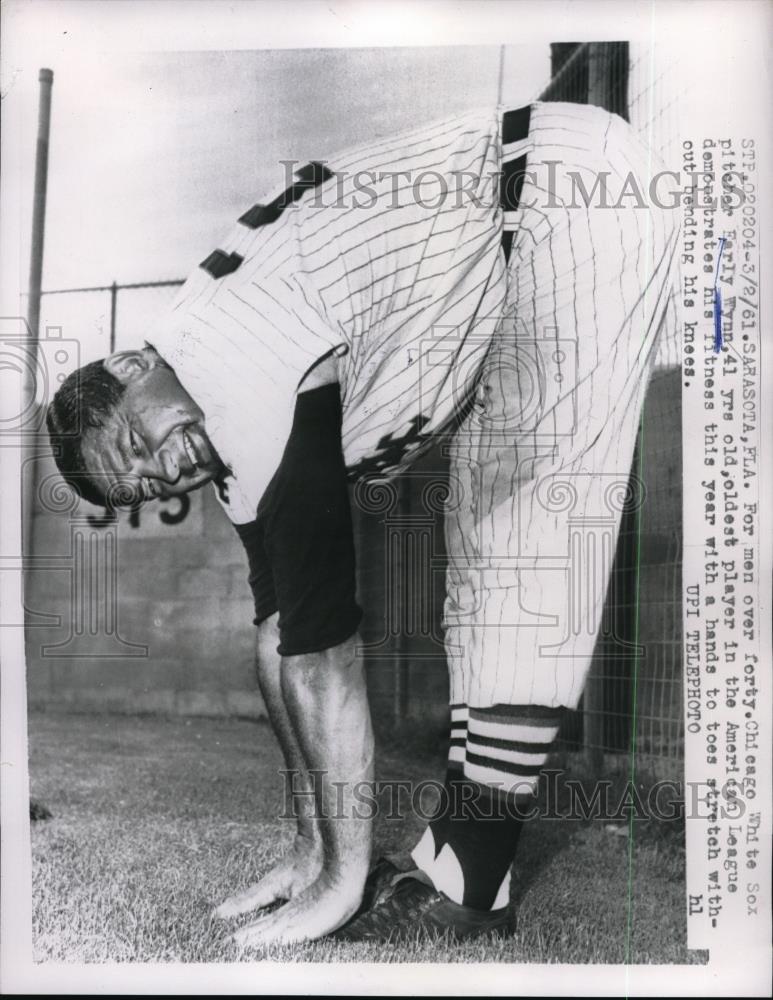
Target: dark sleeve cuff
point(297, 645)
point(260, 577)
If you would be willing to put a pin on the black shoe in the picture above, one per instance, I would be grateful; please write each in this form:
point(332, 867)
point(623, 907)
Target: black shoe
point(378, 886)
point(414, 906)
point(379, 882)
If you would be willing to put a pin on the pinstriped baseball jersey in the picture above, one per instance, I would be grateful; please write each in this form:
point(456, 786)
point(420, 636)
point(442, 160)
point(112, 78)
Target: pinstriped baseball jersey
point(388, 255)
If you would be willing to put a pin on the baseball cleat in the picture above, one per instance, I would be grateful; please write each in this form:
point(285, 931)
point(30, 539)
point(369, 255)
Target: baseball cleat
point(412, 905)
point(378, 884)
point(377, 887)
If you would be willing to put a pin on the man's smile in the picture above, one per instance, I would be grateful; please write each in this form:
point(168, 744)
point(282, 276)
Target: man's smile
point(190, 450)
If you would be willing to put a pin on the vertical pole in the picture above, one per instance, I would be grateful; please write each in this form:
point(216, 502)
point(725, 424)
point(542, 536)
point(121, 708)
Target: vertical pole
point(46, 78)
point(401, 690)
point(598, 74)
point(608, 66)
point(29, 388)
point(593, 696)
point(500, 84)
point(593, 718)
point(113, 307)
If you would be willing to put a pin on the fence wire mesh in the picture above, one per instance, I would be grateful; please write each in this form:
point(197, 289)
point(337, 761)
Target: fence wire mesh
point(105, 318)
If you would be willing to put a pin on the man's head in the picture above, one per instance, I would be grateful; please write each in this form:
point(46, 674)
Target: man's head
point(127, 430)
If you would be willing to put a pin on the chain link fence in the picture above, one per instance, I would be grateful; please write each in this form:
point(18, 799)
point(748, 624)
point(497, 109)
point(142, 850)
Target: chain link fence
point(105, 318)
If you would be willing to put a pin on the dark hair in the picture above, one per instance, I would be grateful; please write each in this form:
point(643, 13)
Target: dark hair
point(84, 401)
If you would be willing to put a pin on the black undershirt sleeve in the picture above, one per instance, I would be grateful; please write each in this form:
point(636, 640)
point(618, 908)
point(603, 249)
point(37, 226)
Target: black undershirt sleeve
point(301, 545)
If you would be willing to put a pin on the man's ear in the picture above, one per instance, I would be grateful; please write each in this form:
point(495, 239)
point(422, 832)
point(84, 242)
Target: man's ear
point(128, 365)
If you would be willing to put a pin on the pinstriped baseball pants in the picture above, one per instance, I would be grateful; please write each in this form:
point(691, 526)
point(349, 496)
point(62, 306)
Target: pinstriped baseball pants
point(540, 466)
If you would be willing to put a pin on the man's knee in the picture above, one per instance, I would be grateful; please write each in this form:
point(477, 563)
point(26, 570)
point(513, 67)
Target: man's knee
point(266, 642)
point(339, 663)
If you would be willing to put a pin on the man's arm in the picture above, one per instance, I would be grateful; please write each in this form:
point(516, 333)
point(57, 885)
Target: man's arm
point(301, 545)
point(301, 551)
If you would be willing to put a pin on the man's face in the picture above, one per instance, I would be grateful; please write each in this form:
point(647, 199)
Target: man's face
point(154, 441)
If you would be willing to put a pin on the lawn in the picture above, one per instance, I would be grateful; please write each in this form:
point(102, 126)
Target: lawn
point(156, 820)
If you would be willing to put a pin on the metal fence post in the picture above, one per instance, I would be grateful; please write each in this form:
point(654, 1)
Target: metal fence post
point(29, 384)
point(402, 674)
point(113, 307)
point(46, 79)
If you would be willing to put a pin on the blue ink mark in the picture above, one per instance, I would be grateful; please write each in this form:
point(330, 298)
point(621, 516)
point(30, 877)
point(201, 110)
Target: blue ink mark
point(718, 302)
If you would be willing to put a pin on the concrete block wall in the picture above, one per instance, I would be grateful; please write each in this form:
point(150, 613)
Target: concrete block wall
point(182, 639)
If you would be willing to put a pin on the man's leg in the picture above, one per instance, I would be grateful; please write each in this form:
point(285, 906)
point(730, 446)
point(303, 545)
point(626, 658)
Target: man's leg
point(543, 465)
point(303, 863)
point(546, 464)
point(327, 706)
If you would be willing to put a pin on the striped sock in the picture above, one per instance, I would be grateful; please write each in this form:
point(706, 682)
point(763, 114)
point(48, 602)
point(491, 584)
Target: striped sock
point(507, 745)
point(458, 741)
point(494, 761)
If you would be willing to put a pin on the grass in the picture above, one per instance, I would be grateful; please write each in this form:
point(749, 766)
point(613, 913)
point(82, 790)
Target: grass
point(156, 821)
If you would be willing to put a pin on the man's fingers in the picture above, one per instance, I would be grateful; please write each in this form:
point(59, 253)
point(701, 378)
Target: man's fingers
point(256, 897)
point(252, 935)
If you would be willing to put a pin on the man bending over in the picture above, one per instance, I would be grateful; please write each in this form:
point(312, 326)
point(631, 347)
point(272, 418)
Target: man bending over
point(443, 281)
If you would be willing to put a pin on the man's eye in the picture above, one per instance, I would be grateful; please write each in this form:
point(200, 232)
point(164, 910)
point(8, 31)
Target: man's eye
point(135, 444)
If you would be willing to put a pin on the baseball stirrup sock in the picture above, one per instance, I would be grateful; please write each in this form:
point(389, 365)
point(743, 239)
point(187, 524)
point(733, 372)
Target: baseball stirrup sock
point(494, 761)
point(506, 746)
point(467, 850)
